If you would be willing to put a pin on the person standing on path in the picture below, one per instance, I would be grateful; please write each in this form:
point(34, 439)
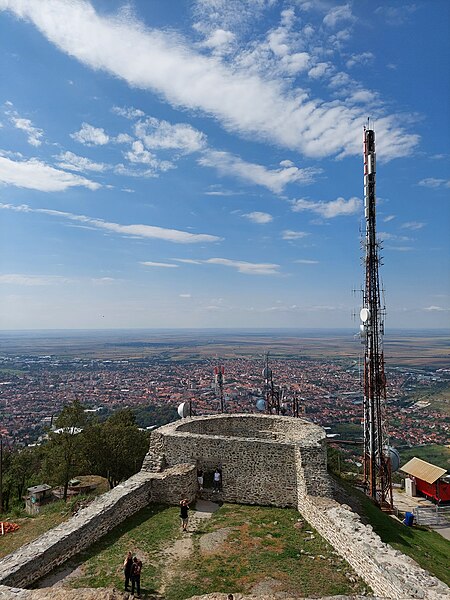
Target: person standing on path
point(127, 565)
point(184, 514)
point(136, 576)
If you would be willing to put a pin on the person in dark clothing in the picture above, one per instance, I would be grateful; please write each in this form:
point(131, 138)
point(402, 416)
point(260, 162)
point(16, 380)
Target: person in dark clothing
point(136, 576)
point(127, 564)
point(184, 514)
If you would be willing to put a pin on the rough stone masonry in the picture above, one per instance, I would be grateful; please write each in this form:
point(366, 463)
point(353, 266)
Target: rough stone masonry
point(264, 459)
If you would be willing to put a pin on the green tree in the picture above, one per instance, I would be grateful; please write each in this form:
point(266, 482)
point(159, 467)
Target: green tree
point(64, 451)
point(116, 448)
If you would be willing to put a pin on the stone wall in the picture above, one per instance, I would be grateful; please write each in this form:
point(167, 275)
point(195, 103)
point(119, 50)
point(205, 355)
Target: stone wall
point(264, 460)
point(257, 455)
point(36, 559)
point(389, 573)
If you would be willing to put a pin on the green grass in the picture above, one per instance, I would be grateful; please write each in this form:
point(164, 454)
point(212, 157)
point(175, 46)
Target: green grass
point(32, 527)
point(263, 543)
point(425, 546)
point(435, 454)
point(144, 534)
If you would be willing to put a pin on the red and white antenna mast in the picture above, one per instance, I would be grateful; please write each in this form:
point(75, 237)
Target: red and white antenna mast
point(376, 459)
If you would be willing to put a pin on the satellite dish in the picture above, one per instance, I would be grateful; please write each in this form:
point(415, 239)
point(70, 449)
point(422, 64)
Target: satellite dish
point(183, 410)
point(364, 315)
point(395, 458)
point(261, 404)
point(267, 373)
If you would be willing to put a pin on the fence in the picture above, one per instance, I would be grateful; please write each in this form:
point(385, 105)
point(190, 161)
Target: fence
point(432, 515)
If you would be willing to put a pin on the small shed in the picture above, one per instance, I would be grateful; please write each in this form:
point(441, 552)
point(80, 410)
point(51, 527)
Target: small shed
point(37, 496)
point(430, 480)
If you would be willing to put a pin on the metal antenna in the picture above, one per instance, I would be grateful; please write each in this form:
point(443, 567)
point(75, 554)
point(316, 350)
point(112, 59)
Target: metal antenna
point(271, 394)
point(376, 459)
point(219, 378)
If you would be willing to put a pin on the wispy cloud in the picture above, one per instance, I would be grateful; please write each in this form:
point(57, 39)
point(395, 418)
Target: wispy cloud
point(289, 234)
point(434, 308)
point(90, 135)
point(73, 162)
point(241, 266)
point(389, 218)
point(129, 112)
point(185, 295)
point(135, 230)
point(34, 133)
point(34, 174)
point(251, 104)
point(329, 210)
point(260, 218)
point(149, 263)
point(413, 225)
point(273, 179)
point(433, 182)
point(306, 261)
point(247, 268)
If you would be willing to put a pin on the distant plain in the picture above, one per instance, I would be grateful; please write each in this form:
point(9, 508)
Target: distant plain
point(429, 349)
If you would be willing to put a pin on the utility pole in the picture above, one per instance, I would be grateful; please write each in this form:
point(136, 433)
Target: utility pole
point(376, 458)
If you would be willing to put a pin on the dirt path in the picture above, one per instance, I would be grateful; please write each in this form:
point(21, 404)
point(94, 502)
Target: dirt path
point(183, 547)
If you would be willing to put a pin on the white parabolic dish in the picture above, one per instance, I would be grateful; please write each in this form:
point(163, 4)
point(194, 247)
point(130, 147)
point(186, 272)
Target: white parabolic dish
point(183, 410)
point(364, 314)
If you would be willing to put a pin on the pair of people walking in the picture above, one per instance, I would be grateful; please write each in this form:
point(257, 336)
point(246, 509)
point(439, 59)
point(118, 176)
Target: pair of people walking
point(132, 568)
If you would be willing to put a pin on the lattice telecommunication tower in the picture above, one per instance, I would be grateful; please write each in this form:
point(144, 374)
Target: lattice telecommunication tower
point(376, 458)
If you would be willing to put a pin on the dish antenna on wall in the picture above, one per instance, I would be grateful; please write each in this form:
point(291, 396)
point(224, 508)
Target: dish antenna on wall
point(184, 410)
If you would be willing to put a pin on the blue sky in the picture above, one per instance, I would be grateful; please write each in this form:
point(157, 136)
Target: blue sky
point(198, 163)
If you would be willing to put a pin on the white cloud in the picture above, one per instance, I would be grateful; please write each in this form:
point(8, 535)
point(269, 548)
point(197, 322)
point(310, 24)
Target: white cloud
point(135, 230)
point(436, 309)
point(257, 105)
point(413, 225)
point(90, 135)
point(129, 112)
point(288, 234)
point(241, 266)
point(432, 182)
point(149, 263)
point(246, 267)
point(360, 59)
point(259, 217)
point(388, 218)
point(329, 210)
point(185, 295)
point(73, 162)
point(139, 155)
point(36, 175)
point(162, 135)
point(34, 133)
point(275, 179)
point(218, 39)
point(337, 15)
point(306, 261)
point(319, 70)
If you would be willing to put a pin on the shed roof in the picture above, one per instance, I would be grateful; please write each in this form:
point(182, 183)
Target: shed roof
point(423, 470)
point(39, 488)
